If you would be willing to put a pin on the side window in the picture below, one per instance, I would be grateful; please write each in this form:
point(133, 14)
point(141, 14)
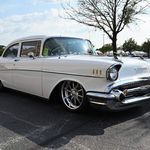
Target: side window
point(53, 47)
point(12, 51)
point(30, 47)
point(49, 45)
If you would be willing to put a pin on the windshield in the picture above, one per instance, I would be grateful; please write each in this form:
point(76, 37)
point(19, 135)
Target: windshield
point(67, 46)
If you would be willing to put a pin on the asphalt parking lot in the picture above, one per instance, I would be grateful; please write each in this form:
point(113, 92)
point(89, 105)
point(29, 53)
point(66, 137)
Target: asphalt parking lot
point(28, 122)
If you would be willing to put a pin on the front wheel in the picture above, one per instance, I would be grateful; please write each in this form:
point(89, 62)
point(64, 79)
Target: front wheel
point(73, 96)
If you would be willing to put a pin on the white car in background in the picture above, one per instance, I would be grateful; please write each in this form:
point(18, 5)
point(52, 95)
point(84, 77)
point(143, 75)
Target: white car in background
point(67, 66)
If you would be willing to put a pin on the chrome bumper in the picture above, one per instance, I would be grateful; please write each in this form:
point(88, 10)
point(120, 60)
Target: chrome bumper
point(122, 97)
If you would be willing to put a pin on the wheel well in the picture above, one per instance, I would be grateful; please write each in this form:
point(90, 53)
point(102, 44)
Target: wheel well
point(1, 84)
point(56, 91)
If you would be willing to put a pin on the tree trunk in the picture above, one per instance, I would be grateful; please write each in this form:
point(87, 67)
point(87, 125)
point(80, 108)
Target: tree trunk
point(149, 53)
point(114, 45)
point(114, 39)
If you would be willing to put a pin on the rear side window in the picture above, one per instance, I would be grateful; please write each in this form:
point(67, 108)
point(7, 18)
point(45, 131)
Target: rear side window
point(30, 47)
point(12, 51)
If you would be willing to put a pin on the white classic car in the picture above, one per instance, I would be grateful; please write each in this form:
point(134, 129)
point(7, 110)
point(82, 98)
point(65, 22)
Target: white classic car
point(67, 66)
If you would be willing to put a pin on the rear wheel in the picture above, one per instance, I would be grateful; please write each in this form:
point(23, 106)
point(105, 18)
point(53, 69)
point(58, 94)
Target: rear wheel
point(73, 96)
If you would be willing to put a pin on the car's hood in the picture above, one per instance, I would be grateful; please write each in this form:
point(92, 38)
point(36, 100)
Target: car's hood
point(134, 67)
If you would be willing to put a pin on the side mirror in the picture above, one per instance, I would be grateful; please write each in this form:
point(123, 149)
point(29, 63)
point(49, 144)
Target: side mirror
point(31, 55)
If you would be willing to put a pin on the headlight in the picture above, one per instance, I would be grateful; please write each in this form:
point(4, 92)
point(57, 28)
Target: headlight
point(112, 73)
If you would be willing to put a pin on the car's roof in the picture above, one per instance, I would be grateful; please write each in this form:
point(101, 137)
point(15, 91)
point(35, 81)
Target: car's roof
point(30, 38)
point(42, 37)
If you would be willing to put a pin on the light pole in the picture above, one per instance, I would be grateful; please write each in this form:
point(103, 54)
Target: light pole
point(103, 39)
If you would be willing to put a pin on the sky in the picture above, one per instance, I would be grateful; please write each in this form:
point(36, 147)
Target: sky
point(46, 17)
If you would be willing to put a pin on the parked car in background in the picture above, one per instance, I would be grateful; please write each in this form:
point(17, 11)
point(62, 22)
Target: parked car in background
point(42, 65)
point(99, 53)
point(139, 53)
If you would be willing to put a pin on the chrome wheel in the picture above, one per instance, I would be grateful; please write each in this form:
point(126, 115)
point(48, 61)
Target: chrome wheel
point(73, 95)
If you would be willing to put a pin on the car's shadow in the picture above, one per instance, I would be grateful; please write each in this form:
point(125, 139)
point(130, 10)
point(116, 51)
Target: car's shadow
point(45, 123)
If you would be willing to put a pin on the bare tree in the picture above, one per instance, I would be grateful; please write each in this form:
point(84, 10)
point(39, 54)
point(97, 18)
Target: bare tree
point(111, 16)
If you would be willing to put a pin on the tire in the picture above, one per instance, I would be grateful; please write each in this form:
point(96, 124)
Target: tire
point(73, 96)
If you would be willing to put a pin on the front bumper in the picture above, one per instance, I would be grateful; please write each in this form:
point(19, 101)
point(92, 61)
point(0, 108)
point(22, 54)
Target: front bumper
point(124, 95)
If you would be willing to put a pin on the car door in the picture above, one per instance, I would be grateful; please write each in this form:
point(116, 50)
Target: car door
point(27, 75)
point(7, 64)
